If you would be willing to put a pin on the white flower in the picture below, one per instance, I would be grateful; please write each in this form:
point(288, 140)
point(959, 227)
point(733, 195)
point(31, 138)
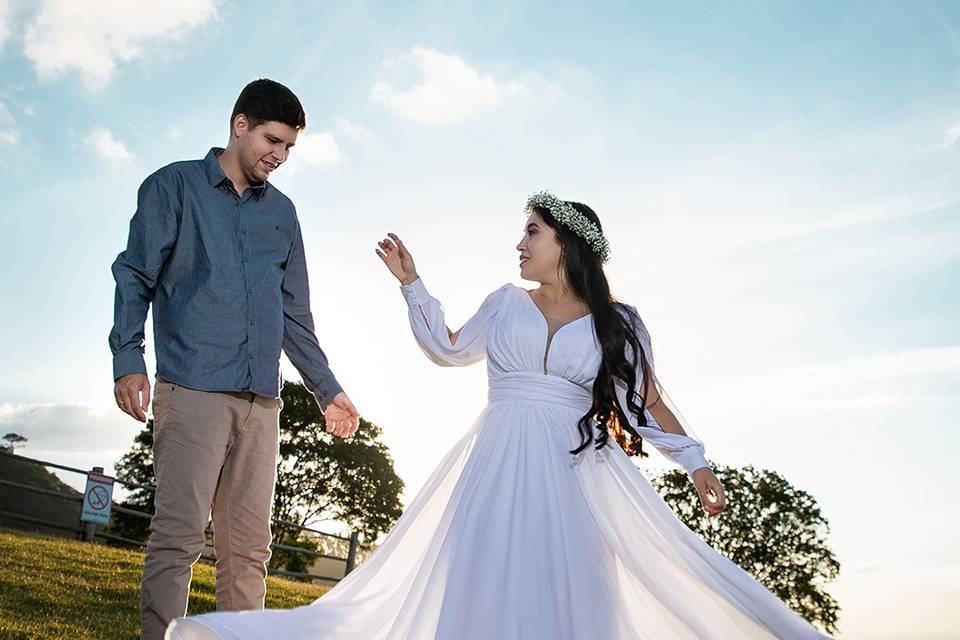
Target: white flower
point(573, 220)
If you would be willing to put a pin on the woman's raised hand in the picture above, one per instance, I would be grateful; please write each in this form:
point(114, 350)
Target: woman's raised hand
point(397, 259)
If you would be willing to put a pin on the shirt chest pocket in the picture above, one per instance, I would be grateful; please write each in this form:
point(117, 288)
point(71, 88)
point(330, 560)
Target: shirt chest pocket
point(271, 242)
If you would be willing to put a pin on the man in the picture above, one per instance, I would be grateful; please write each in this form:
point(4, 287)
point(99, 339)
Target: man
point(219, 253)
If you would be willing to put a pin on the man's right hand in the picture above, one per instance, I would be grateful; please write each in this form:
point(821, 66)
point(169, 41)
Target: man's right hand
point(132, 393)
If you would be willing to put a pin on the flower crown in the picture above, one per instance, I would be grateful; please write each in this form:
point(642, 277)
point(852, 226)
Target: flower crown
point(573, 220)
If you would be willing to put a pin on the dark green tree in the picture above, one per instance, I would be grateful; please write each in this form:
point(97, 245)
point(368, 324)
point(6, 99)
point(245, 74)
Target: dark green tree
point(319, 477)
point(298, 561)
point(769, 528)
point(12, 441)
point(136, 466)
point(323, 477)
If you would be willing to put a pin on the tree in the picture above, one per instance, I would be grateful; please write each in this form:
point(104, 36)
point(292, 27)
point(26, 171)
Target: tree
point(319, 477)
point(323, 477)
point(771, 529)
point(136, 466)
point(12, 440)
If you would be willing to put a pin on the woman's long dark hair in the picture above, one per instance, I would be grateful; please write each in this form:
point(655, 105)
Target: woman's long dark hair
point(615, 325)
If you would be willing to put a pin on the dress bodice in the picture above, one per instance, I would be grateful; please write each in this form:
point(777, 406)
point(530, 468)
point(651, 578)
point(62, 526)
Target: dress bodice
point(520, 340)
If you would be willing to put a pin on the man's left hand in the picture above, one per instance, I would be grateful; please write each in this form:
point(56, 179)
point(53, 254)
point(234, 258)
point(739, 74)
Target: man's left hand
point(341, 416)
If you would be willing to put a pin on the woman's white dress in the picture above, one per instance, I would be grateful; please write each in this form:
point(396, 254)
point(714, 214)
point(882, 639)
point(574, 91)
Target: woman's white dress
point(512, 538)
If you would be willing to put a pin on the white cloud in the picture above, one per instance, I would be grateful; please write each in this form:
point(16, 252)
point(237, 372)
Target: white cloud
point(5, 19)
point(314, 151)
point(448, 89)
point(93, 37)
point(950, 136)
point(9, 136)
point(70, 427)
point(8, 131)
point(108, 148)
point(909, 363)
point(349, 129)
point(873, 381)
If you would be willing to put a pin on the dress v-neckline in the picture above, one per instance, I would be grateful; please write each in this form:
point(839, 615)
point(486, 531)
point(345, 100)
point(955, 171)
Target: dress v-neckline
point(546, 326)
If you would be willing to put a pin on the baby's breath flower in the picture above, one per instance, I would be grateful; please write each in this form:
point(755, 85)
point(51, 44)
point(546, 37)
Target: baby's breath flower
point(573, 220)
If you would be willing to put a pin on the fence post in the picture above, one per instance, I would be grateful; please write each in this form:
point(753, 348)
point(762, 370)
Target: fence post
point(352, 553)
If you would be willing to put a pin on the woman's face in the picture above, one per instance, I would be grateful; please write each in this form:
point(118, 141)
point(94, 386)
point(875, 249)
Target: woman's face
point(539, 251)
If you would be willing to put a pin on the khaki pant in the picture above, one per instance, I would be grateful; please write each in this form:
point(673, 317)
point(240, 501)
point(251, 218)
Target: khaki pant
point(212, 451)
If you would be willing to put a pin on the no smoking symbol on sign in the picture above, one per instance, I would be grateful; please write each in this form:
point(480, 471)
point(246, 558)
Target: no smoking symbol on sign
point(98, 498)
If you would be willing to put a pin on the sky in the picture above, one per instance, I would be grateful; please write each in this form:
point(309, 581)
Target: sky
point(779, 182)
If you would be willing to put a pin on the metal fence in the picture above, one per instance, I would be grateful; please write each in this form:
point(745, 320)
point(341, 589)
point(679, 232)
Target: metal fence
point(91, 531)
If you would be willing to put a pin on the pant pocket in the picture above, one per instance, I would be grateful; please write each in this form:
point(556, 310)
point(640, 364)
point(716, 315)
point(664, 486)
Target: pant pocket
point(162, 393)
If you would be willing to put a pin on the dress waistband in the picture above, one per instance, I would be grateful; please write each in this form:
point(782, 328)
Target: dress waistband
point(539, 388)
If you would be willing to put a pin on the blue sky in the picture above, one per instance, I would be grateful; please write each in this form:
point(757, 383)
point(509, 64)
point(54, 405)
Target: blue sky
point(779, 183)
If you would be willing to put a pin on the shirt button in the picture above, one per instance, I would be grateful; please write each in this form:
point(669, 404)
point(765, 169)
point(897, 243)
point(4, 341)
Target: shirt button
point(250, 356)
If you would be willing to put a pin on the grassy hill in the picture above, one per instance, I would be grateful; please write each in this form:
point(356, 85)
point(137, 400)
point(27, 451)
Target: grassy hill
point(47, 508)
point(56, 589)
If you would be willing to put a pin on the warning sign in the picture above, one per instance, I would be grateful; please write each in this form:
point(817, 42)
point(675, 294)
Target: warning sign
point(97, 499)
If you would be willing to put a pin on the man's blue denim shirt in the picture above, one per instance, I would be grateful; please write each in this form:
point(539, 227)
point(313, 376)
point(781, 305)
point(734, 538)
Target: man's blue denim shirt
point(228, 281)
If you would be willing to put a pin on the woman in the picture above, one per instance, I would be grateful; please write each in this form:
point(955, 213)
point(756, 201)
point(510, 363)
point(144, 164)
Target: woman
point(536, 524)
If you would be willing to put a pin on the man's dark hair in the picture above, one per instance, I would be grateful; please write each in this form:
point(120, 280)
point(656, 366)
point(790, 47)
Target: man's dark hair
point(264, 100)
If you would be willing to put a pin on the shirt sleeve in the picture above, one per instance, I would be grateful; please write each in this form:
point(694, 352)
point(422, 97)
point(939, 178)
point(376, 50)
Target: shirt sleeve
point(299, 336)
point(153, 234)
point(430, 330)
point(683, 450)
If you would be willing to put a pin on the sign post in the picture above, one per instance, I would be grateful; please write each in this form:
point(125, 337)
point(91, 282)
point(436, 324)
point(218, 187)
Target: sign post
point(97, 499)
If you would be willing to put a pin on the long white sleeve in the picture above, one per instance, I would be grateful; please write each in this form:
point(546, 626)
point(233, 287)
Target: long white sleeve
point(683, 450)
point(430, 329)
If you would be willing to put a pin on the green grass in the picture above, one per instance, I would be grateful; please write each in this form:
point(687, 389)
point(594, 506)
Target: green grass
point(51, 588)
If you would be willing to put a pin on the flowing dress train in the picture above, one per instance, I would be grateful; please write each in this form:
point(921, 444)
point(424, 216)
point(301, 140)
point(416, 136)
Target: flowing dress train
point(512, 537)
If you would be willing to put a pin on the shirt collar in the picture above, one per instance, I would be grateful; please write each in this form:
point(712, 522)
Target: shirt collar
point(216, 176)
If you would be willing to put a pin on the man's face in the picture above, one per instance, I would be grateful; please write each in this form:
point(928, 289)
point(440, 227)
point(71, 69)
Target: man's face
point(262, 148)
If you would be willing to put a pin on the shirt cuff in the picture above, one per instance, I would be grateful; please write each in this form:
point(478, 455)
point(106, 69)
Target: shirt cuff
point(326, 392)
point(127, 362)
point(415, 292)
